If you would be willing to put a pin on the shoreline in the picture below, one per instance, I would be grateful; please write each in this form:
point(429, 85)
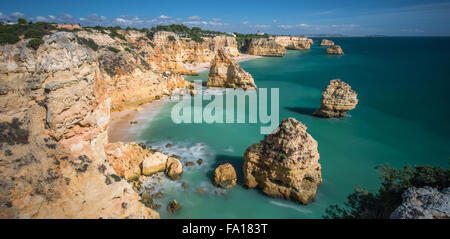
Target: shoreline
point(120, 128)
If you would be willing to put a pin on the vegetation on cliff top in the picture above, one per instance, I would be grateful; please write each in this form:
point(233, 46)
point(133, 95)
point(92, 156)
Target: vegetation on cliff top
point(243, 40)
point(362, 204)
point(10, 34)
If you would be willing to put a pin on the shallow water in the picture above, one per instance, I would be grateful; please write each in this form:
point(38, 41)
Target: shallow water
point(402, 118)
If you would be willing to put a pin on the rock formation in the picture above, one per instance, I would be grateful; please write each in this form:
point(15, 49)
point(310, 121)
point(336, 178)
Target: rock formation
point(265, 47)
point(173, 206)
point(174, 168)
point(126, 159)
point(424, 203)
point(225, 72)
point(337, 99)
point(54, 116)
point(326, 42)
point(335, 50)
point(285, 164)
point(293, 42)
point(225, 176)
point(154, 163)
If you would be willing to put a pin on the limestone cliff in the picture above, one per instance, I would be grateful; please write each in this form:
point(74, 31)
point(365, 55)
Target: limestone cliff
point(326, 42)
point(284, 164)
point(225, 72)
point(54, 108)
point(337, 99)
point(423, 203)
point(265, 47)
point(293, 42)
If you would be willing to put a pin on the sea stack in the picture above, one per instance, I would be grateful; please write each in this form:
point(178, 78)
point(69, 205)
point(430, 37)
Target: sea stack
point(225, 176)
point(285, 164)
point(335, 50)
point(326, 42)
point(225, 72)
point(337, 99)
point(265, 47)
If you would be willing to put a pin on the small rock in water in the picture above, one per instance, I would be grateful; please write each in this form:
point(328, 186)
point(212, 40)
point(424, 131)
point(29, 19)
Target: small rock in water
point(168, 145)
point(201, 190)
point(157, 195)
point(184, 185)
point(174, 168)
point(147, 199)
point(189, 164)
point(142, 145)
point(199, 161)
point(173, 207)
point(133, 122)
point(225, 176)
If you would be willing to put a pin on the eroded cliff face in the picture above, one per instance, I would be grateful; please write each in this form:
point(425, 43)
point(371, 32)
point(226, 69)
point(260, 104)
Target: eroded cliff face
point(335, 50)
point(265, 47)
point(285, 164)
point(54, 118)
point(337, 99)
point(294, 42)
point(326, 42)
point(225, 72)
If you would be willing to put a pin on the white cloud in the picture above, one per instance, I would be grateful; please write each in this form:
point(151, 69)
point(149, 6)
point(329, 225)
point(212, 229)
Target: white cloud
point(262, 26)
point(274, 21)
point(17, 14)
point(245, 22)
point(164, 17)
point(192, 18)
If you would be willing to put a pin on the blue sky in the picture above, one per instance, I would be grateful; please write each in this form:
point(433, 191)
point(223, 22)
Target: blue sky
point(353, 17)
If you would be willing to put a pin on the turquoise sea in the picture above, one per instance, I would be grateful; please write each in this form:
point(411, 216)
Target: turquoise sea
point(403, 117)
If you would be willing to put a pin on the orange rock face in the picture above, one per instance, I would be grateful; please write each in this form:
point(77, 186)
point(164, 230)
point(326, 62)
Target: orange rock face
point(337, 99)
point(225, 176)
point(285, 164)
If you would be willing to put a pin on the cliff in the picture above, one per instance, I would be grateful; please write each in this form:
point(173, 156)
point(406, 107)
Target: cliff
point(293, 42)
point(337, 99)
point(265, 47)
point(225, 72)
point(285, 164)
point(54, 119)
point(423, 203)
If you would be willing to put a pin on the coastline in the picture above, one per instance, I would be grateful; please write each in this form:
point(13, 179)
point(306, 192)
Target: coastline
point(120, 128)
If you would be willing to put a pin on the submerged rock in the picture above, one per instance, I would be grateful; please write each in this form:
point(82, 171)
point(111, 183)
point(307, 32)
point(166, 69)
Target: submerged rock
point(335, 50)
point(189, 164)
point(174, 168)
point(153, 164)
point(225, 176)
point(326, 42)
point(225, 72)
point(285, 164)
point(199, 161)
point(265, 47)
point(337, 99)
point(173, 207)
point(424, 203)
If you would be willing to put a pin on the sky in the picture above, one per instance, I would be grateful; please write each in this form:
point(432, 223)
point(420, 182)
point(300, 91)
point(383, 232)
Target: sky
point(349, 17)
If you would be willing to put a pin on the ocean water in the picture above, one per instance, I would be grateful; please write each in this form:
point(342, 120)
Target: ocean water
point(402, 118)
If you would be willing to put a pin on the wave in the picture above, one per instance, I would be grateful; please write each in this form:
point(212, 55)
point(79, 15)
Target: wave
point(296, 208)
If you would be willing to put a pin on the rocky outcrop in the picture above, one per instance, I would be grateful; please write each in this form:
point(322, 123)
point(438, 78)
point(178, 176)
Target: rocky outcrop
point(174, 168)
point(173, 206)
point(225, 176)
point(54, 115)
point(335, 50)
point(285, 164)
point(337, 99)
point(156, 162)
point(424, 203)
point(326, 42)
point(126, 159)
point(225, 72)
point(293, 42)
point(265, 47)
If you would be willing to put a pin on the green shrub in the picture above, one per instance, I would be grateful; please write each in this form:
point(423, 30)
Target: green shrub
point(171, 38)
point(114, 34)
point(88, 42)
point(8, 38)
point(362, 204)
point(127, 49)
point(35, 43)
point(34, 33)
point(21, 21)
point(115, 50)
